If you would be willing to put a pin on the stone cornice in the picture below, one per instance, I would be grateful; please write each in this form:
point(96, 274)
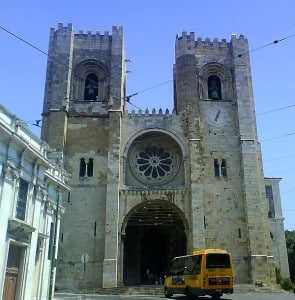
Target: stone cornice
point(145, 195)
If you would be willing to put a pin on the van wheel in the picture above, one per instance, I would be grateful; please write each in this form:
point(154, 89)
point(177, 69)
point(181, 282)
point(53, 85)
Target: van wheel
point(166, 294)
point(216, 297)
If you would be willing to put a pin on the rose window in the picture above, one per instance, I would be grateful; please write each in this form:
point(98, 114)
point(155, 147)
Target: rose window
point(154, 162)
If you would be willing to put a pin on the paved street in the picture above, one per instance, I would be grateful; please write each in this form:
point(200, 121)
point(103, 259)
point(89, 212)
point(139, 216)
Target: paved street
point(244, 296)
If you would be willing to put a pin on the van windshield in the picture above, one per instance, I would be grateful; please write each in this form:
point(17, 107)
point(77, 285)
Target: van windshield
point(217, 260)
point(190, 264)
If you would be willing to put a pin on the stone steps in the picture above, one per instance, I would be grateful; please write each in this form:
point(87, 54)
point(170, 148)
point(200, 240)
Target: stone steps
point(132, 290)
point(158, 290)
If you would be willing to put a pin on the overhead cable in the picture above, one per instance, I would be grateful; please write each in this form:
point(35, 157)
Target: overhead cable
point(277, 137)
point(271, 111)
point(266, 45)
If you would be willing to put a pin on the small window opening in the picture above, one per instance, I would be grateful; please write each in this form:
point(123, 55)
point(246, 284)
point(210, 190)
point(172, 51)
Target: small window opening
point(223, 167)
point(94, 232)
point(90, 167)
point(214, 87)
point(91, 87)
point(82, 167)
point(239, 233)
point(220, 168)
point(86, 168)
point(62, 237)
point(216, 167)
point(22, 199)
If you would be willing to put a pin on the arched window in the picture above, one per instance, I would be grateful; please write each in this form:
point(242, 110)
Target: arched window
point(220, 168)
point(216, 167)
point(86, 168)
point(90, 167)
point(90, 81)
point(214, 87)
point(22, 199)
point(82, 167)
point(223, 167)
point(91, 87)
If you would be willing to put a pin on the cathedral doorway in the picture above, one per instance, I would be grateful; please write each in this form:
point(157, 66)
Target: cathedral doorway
point(154, 234)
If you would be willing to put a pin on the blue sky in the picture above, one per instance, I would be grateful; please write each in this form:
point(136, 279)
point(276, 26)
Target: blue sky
point(150, 28)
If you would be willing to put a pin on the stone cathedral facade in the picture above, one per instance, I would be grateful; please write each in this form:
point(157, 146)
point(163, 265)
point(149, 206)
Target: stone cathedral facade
point(150, 185)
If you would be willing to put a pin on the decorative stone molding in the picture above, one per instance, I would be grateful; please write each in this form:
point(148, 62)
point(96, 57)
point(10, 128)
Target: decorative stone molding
point(19, 231)
point(154, 195)
point(40, 192)
point(10, 172)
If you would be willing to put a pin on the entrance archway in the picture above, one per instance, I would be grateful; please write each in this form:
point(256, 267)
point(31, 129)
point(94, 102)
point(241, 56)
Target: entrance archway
point(154, 234)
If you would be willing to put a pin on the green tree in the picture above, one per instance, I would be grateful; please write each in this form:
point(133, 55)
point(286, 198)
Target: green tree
point(290, 240)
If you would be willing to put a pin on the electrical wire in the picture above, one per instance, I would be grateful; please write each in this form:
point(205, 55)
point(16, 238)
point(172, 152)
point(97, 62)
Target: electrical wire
point(144, 90)
point(127, 98)
point(278, 137)
point(154, 86)
point(266, 45)
point(278, 158)
point(278, 109)
point(49, 56)
point(275, 110)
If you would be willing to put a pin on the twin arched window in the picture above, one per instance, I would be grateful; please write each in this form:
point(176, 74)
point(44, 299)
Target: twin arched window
point(220, 169)
point(86, 168)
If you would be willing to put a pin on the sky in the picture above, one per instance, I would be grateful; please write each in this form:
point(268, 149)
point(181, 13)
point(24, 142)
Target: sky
point(150, 28)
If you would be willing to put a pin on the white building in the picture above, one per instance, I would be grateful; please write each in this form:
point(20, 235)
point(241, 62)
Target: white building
point(31, 188)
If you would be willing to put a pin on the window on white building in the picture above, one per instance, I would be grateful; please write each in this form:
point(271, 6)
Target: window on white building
point(22, 199)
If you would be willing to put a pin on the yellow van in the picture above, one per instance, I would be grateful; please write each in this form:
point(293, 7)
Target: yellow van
point(205, 272)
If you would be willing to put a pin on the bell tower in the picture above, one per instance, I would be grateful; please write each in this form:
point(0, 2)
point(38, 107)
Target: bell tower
point(83, 105)
point(85, 77)
point(213, 94)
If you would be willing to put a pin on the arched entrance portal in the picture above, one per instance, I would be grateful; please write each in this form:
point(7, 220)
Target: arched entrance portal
point(154, 234)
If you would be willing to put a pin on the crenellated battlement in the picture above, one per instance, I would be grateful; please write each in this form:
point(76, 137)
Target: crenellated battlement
point(152, 113)
point(186, 43)
point(116, 31)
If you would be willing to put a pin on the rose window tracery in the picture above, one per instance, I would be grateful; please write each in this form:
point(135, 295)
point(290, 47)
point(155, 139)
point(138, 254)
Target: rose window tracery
point(154, 163)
